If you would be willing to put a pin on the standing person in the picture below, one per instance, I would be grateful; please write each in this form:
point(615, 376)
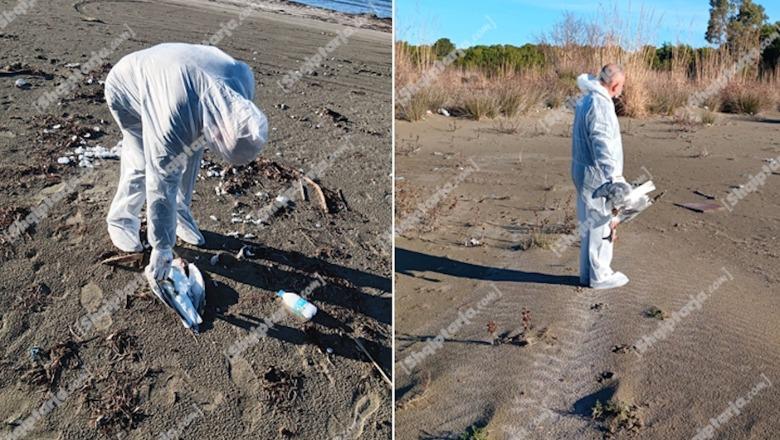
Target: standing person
point(597, 161)
point(169, 100)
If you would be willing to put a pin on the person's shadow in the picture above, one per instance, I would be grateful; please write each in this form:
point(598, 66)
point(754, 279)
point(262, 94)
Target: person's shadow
point(335, 341)
point(407, 262)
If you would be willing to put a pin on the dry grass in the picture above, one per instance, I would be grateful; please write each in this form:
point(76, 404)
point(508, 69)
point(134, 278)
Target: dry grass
point(575, 47)
point(482, 104)
point(751, 99)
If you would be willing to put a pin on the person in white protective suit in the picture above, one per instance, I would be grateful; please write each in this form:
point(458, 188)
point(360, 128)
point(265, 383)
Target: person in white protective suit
point(170, 101)
point(597, 164)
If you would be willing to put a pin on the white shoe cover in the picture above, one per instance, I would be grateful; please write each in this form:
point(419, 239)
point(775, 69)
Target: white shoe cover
point(125, 240)
point(189, 233)
point(617, 279)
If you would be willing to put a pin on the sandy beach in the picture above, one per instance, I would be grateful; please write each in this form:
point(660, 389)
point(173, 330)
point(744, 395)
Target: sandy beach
point(88, 341)
point(484, 218)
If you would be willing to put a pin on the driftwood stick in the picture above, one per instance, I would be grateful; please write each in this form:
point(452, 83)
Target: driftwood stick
point(317, 190)
point(371, 358)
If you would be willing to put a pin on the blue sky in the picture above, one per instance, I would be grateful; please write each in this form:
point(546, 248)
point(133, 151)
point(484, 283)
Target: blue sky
point(522, 21)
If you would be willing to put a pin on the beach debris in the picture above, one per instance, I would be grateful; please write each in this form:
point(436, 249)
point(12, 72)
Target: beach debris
point(700, 207)
point(47, 366)
point(604, 376)
point(373, 361)
point(22, 69)
point(526, 319)
point(622, 348)
point(124, 345)
point(297, 305)
point(22, 84)
point(36, 354)
point(491, 329)
point(226, 259)
point(281, 387)
point(135, 259)
point(184, 291)
point(705, 195)
point(473, 242)
point(322, 201)
point(34, 299)
point(87, 154)
point(546, 336)
point(334, 115)
point(444, 112)
point(115, 400)
point(245, 252)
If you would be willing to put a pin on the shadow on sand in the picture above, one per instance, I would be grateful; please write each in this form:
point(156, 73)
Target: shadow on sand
point(338, 286)
point(407, 261)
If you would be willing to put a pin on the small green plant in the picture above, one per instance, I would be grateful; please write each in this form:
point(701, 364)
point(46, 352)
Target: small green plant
point(708, 117)
point(474, 433)
point(655, 312)
point(617, 415)
point(536, 240)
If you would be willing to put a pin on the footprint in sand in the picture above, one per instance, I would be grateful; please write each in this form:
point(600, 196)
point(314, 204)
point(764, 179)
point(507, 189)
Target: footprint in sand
point(92, 299)
point(244, 377)
point(364, 406)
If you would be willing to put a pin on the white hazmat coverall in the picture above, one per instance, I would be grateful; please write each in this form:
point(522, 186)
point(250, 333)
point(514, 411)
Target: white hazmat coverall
point(597, 159)
point(169, 101)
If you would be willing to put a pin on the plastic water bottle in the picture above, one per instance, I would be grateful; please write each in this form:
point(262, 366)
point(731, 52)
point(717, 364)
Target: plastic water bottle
point(297, 305)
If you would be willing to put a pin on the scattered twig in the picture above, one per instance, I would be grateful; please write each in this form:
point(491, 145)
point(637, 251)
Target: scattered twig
point(135, 260)
point(371, 358)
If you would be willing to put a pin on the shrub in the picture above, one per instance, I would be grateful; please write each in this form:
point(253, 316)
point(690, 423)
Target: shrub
point(665, 98)
point(739, 98)
point(708, 117)
point(480, 105)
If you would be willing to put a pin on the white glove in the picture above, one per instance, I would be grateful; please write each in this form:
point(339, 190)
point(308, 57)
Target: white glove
point(159, 263)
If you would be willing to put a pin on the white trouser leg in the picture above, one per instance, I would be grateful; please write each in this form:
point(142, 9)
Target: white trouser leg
point(584, 232)
point(186, 227)
point(595, 252)
point(124, 216)
point(599, 254)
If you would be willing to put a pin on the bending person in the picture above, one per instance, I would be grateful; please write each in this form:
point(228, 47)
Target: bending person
point(169, 101)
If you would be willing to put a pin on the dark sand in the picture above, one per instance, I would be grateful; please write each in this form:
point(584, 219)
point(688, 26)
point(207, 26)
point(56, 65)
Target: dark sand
point(303, 380)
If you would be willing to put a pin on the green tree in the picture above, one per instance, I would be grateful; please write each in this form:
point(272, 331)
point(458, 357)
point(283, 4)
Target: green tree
point(720, 14)
point(770, 58)
point(443, 47)
point(744, 29)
